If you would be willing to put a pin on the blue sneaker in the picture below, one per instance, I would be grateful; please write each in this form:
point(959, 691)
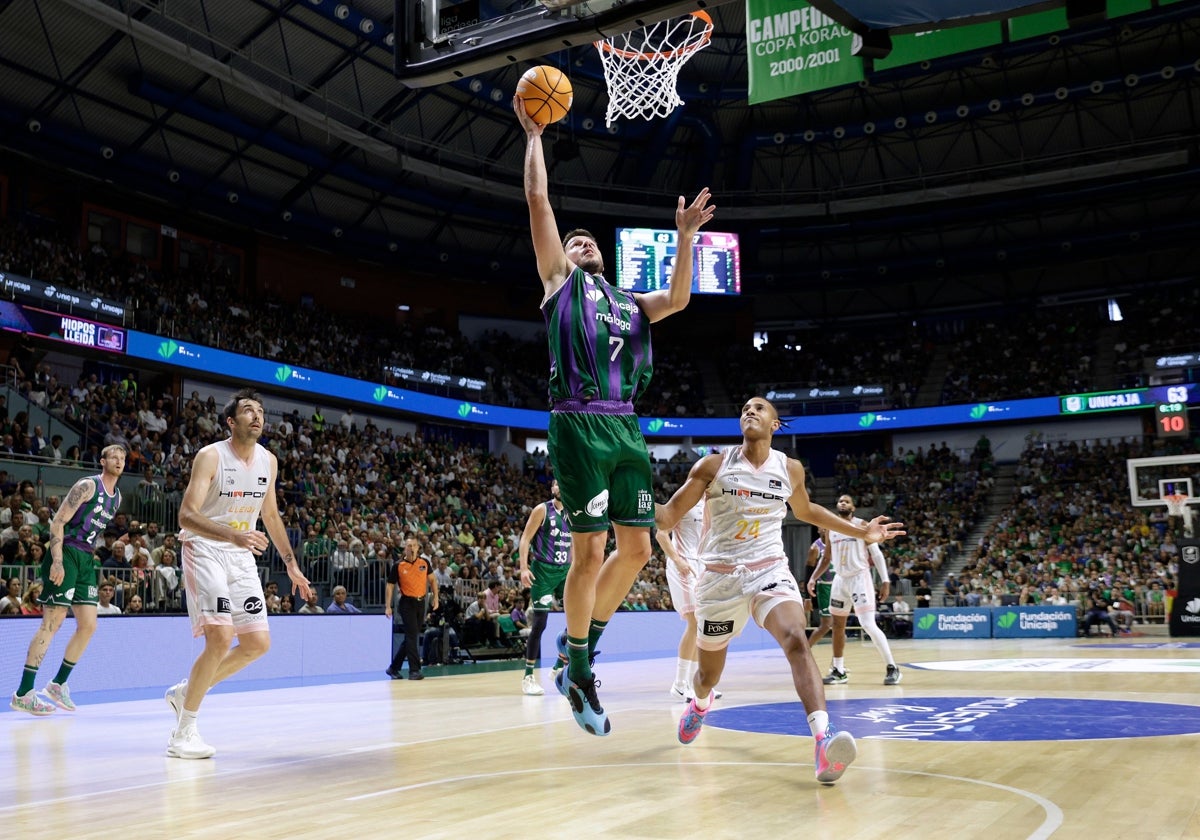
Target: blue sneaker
point(559, 682)
point(692, 720)
point(835, 751)
point(585, 705)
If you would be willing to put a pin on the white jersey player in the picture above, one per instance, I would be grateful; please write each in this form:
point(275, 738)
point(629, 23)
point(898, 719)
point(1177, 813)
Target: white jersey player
point(747, 491)
point(852, 560)
point(682, 547)
point(231, 486)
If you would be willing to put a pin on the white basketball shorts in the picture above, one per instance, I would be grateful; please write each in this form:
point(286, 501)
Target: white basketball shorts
point(223, 587)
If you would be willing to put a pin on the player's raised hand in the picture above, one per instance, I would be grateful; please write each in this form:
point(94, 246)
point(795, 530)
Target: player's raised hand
point(523, 117)
point(881, 528)
point(689, 218)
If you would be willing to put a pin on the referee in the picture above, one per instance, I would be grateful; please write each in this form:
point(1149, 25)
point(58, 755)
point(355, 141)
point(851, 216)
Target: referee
point(415, 578)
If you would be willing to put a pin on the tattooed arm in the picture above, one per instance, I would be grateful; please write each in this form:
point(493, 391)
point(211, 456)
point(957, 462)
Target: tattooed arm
point(80, 493)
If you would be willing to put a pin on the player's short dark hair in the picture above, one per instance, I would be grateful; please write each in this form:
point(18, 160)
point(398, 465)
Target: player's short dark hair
point(230, 410)
point(571, 234)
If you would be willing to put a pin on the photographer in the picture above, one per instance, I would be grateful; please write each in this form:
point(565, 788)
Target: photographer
point(445, 619)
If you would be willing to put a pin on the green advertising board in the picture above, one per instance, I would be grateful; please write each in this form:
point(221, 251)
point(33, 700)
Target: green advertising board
point(1055, 20)
point(793, 48)
point(1098, 401)
point(923, 46)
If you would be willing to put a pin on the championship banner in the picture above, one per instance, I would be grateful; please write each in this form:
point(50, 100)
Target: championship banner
point(1185, 608)
point(793, 48)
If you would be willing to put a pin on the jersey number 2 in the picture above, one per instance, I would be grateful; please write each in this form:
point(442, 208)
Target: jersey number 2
point(746, 530)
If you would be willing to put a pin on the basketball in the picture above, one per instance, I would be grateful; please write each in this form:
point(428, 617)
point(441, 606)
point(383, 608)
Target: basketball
point(547, 93)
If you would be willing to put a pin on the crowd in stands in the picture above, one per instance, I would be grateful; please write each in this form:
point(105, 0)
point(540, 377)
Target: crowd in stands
point(938, 494)
point(1013, 355)
point(1071, 536)
point(892, 356)
point(1043, 352)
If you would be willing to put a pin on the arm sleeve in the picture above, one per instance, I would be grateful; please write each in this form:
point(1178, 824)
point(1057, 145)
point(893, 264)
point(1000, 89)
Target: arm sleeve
point(880, 563)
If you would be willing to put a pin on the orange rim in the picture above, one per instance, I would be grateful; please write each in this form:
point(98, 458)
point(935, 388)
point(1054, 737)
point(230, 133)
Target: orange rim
point(679, 52)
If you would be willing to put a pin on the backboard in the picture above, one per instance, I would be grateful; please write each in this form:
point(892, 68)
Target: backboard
point(429, 54)
point(1152, 479)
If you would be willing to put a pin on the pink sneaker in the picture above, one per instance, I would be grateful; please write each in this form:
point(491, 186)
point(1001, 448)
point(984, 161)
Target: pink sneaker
point(835, 752)
point(692, 720)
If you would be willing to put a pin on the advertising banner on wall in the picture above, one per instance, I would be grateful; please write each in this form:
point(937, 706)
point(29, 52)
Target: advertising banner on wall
point(952, 623)
point(1033, 622)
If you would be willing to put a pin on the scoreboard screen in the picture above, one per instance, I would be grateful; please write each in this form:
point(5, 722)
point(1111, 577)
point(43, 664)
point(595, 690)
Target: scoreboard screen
point(646, 257)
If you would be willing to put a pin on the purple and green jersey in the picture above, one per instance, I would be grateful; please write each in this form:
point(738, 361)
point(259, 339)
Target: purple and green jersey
point(91, 517)
point(552, 542)
point(599, 346)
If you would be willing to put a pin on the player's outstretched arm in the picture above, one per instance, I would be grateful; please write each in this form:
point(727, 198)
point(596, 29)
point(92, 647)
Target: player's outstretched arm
point(689, 218)
point(667, 516)
point(877, 530)
point(278, 532)
point(553, 265)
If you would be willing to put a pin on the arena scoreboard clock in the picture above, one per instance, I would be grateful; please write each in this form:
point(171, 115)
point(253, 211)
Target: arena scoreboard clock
point(1171, 420)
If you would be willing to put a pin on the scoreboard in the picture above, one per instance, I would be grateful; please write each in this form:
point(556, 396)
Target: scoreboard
point(646, 258)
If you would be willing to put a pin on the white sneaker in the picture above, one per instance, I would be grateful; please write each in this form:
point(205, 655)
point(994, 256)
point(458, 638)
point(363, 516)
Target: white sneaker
point(187, 743)
point(60, 696)
point(30, 702)
point(531, 686)
point(175, 697)
point(681, 691)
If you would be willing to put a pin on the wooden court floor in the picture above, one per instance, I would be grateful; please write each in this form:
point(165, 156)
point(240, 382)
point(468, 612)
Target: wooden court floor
point(470, 756)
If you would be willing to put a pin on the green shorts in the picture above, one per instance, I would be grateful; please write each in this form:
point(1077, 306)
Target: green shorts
point(824, 588)
point(603, 470)
point(79, 584)
point(549, 579)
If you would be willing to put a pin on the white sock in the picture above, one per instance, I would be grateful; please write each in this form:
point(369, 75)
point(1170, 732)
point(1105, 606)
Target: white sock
point(683, 671)
point(839, 662)
point(818, 722)
point(703, 705)
point(187, 718)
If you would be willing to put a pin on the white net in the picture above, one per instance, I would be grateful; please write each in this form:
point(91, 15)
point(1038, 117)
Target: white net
point(1176, 504)
point(641, 67)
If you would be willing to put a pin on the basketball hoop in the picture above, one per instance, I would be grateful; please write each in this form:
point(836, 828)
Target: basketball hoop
point(1176, 504)
point(641, 67)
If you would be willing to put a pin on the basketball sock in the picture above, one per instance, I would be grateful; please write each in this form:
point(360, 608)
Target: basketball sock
point(64, 672)
point(683, 670)
point(703, 705)
point(818, 722)
point(187, 718)
point(577, 656)
point(594, 634)
point(839, 662)
point(27, 678)
point(529, 666)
